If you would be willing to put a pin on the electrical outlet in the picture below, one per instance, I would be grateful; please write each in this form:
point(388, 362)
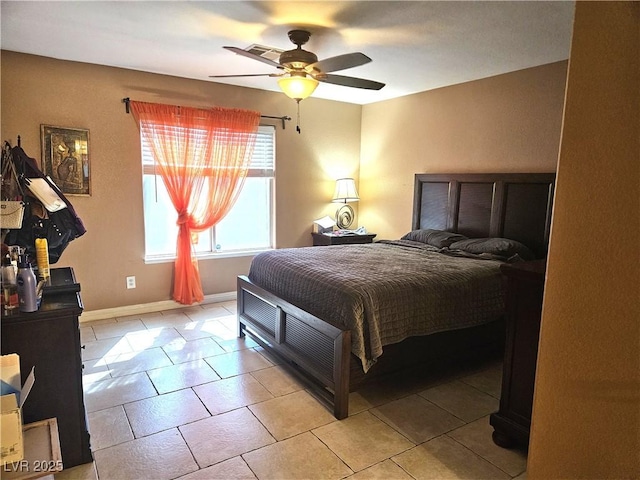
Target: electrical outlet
point(131, 282)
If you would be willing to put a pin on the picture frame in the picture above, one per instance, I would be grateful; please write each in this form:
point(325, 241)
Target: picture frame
point(65, 158)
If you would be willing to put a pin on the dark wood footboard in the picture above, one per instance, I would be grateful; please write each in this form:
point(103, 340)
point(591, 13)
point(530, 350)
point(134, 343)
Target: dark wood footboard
point(316, 351)
point(319, 354)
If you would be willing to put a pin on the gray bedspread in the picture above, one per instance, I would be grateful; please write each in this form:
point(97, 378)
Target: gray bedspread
point(383, 292)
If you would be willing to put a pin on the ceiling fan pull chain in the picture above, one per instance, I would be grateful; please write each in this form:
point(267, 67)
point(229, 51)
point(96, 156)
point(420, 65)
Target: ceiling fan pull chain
point(298, 118)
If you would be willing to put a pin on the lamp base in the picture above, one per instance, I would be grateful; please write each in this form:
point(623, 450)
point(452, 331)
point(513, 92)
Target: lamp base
point(344, 216)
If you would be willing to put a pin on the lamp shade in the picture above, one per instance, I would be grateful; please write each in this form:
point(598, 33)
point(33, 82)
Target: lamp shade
point(345, 191)
point(297, 87)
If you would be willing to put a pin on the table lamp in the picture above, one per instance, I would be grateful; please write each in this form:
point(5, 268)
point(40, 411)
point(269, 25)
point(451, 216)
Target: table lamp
point(345, 192)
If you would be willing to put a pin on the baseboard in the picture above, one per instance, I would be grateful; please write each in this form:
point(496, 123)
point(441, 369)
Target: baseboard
point(127, 310)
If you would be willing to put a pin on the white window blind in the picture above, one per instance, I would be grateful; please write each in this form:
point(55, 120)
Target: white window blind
point(248, 227)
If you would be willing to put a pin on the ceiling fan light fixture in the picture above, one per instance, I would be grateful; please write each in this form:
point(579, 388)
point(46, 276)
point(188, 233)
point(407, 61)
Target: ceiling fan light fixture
point(298, 87)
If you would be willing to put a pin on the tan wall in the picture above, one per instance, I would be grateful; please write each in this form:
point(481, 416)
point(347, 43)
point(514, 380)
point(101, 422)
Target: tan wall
point(586, 416)
point(508, 123)
point(38, 90)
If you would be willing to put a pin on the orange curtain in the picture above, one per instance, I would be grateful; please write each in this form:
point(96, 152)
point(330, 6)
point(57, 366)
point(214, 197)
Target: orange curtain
point(203, 156)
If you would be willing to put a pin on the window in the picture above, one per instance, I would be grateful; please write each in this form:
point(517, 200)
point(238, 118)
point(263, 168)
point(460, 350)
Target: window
point(248, 227)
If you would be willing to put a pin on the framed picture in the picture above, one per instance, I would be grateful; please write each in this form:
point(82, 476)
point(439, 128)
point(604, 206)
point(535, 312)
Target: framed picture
point(65, 158)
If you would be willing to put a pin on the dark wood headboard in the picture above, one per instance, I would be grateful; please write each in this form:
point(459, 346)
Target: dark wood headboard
point(510, 205)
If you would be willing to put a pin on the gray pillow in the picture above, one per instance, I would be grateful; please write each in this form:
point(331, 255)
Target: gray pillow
point(503, 247)
point(436, 238)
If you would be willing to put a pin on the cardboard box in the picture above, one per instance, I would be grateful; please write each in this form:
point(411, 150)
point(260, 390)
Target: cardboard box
point(11, 401)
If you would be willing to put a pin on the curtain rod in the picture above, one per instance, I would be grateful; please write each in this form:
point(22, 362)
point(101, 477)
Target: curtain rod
point(284, 118)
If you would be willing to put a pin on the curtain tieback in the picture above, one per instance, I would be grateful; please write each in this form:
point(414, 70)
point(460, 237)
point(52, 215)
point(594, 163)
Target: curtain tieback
point(183, 217)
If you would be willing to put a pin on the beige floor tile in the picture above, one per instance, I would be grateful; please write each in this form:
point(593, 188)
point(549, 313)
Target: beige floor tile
point(421, 377)
point(86, 471)
point(117, 391)
point(234, 344)
point(416, 418)
point(210, 304)
point(94, 371)
point(230, 305)
point(191, 309)
point(225, 436)
point(392, 387)
point(487, 381)
point(230, 321)
point(175, 311)
point(362, 440)
point(183, 375)
point(358, 404)
point(128, 363)
point(276, 414)
point(443, 458)
point(236, 363)
point(227, 330)
point(86, 334)
point(108, 347)
point(231, 393)
point(138, 316)
point(387, 470)
point(277, 381)
point(162, 412)
point(93, 323)
point(522, 476)
point(377, 392)
point(161, 456)
point(476, 436)
point(206, 312)
point(300, 457)
point(233, 469)
point(117, 329)
point(109, 427)
point(97, 376)
point(462, 400)
point(152, 337)
point(166, 319)
point(181, 350)
point(205, 328)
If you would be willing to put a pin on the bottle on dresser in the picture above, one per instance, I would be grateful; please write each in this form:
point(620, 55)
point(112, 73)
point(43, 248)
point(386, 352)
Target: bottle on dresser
point(9, 285)
point(26, 283)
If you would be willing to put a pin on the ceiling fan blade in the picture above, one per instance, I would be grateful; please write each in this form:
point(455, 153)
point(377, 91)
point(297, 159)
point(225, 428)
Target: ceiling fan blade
point(253, 56)
point(339, 62)
point(248, 75)
point(350, 81)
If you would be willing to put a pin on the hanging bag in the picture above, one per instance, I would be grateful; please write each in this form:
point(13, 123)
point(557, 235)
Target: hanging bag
point(11, 209)
point(59, 227)
point(11, 214)
point(42, 190)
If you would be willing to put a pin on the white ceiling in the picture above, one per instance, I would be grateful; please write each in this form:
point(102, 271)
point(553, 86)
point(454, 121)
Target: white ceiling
point(415, 46)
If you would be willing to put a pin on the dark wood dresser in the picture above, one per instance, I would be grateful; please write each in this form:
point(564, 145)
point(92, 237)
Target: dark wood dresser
point(524, 292)
point(49, 340)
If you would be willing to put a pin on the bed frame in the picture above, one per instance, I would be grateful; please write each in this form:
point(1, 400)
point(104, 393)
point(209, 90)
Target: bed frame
point(516, 206)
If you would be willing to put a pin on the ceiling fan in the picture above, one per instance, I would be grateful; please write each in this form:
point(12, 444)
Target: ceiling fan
point(301, 70)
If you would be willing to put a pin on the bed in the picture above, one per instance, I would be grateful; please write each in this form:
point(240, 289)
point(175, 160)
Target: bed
point(337, 315)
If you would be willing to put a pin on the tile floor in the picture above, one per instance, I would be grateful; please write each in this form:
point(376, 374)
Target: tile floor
point(176, 395)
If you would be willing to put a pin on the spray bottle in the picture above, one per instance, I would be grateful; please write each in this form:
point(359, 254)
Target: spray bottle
point(42, 258)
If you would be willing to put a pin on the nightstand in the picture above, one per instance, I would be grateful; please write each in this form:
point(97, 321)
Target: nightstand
point(524, 292)
point(322, 239)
